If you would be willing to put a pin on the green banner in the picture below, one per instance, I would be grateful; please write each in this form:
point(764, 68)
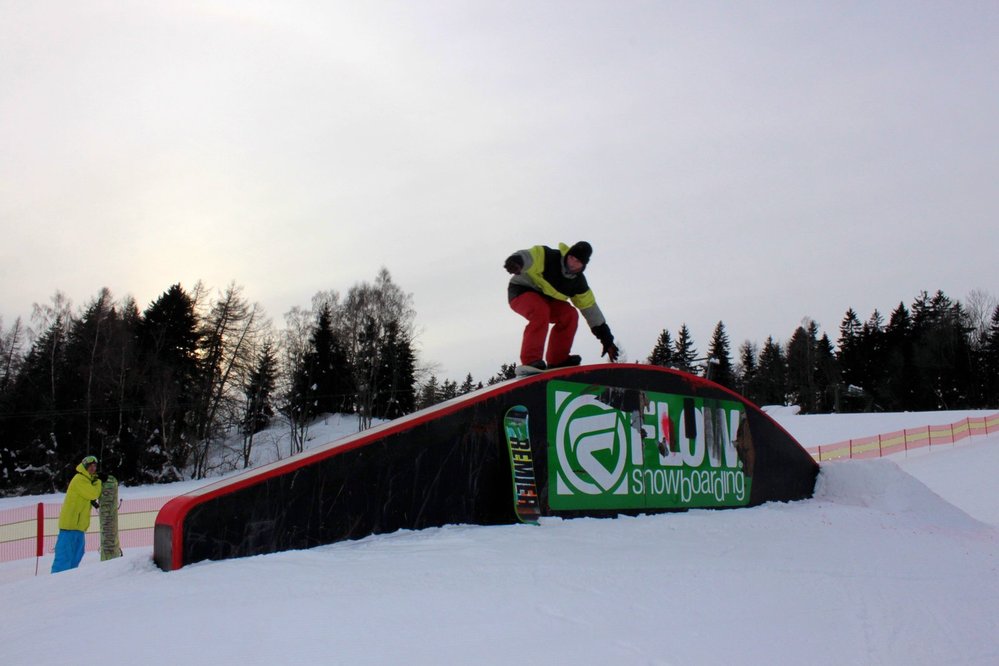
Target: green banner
point(613, 448)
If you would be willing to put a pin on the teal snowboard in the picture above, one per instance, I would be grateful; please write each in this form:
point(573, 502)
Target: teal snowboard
point(525, 487)
point(108, 515)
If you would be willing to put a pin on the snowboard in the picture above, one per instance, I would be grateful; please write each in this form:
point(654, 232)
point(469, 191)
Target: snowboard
point(108, 515)
point(518, 444)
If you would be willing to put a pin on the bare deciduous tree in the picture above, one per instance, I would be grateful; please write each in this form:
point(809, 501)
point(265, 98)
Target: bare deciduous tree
point(230, 334)
point(979, 307)
point(294, 345)
point(369, 310)
point(10, 352)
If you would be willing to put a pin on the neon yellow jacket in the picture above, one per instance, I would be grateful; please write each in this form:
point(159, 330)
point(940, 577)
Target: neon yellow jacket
point(543, 270)
point(83, 489)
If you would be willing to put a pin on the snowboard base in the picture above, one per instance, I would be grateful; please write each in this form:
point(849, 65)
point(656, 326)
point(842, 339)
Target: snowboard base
point(525, 487)
point(108, 515)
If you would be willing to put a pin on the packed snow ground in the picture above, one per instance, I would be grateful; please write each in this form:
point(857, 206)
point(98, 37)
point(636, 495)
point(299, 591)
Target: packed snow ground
point(892, 562)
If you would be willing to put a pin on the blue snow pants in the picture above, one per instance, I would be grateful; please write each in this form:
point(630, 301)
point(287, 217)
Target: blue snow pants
point(68, 550)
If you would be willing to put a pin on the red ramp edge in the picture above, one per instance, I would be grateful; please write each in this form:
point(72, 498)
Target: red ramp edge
point(440, 465)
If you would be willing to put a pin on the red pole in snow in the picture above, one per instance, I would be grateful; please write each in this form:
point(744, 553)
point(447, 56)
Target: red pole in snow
point(40, 548)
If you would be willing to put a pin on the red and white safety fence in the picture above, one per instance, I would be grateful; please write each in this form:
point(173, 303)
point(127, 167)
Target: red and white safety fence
point(910, 439)
point(31, 530)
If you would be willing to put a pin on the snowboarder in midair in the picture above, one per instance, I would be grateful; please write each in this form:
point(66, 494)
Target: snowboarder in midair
point(544, 279)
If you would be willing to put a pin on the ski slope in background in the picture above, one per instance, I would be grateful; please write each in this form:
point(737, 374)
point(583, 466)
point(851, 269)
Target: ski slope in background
point(894, 561)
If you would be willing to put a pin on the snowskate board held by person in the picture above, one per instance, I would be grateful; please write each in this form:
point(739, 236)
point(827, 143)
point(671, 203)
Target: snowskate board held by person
point(107, 514)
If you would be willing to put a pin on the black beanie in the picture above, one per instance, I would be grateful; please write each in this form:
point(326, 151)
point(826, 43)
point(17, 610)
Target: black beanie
point(582, 251)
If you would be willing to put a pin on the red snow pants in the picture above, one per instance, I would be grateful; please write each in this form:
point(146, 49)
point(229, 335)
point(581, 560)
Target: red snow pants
point(540, 311)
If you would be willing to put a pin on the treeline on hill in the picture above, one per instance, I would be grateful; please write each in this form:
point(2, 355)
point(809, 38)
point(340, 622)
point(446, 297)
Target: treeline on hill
point(154, 393)
point(936, 354)
point(162, 394)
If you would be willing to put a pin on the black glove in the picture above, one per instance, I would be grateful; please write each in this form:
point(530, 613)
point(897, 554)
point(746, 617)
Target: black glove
point(94, 504)
point(513, 264)
point(603, 334)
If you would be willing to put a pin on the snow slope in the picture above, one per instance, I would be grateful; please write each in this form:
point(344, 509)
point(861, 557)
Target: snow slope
point(886, 565)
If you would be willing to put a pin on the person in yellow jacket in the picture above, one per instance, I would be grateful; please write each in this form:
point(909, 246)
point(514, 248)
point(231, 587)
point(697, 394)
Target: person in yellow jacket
point(546, 289)
point(74, 517)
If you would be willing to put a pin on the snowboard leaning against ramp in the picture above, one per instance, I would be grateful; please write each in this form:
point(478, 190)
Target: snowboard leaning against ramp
point(108, 514)
point(525, 487)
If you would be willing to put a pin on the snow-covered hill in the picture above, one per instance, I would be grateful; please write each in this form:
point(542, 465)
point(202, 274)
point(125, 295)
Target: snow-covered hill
point(893, 562)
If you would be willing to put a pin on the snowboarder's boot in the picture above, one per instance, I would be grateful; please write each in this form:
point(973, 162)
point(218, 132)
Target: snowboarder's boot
point(570, 361)
point(532, 368)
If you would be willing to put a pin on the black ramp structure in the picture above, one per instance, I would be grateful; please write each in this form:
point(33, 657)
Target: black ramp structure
point(605, 440)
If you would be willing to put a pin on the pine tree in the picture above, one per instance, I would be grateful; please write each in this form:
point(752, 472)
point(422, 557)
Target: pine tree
point(429, 393)
point(168, 344)
point(467, 386)
point(396, 393)
point(827, 376)
point(685, 355)
point(449, 390)
point(323, 381)
point(259, 392)
point(900, 373)
point(772, 375)
point(506, 371)
point(850, 357)
point(100, 392)
point(874, 357)
point(662, 353)
point(942, 353)
point(127, 434)
point(802, 364)
point(720, 359)
point(85, 383)
point(922, 313)
point(990, 361)
point(748, 370)
point(330, 368)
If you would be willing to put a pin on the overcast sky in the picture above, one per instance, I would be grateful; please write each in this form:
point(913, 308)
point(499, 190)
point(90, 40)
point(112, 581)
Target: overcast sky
point(750, 162)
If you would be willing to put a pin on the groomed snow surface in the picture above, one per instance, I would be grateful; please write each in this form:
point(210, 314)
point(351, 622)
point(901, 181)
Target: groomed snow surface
point(892, 562)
